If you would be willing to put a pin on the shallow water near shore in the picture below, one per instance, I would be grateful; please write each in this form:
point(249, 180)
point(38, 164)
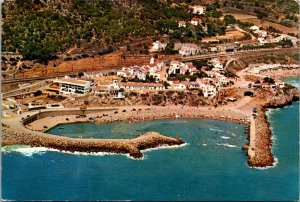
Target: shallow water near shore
point(212, 166)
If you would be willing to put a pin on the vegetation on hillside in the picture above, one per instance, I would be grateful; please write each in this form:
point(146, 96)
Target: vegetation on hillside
point(42, 29)
point(39, 29)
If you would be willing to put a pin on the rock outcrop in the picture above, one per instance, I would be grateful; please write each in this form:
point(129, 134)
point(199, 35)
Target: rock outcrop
point(283, 99)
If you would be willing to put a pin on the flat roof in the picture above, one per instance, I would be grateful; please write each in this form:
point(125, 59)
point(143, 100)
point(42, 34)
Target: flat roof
point(74, 82)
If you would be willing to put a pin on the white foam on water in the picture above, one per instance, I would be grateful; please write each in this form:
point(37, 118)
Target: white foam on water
point(225, 137)
point(177, 121)
point(204, 144)
point(30, 151)
point(214, 129)
point(267, 167)
point(227, 145)
point(165, 147)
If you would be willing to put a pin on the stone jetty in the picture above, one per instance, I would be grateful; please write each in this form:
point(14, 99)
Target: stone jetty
point(259, 148)
point(262, 155)
point(132, 147)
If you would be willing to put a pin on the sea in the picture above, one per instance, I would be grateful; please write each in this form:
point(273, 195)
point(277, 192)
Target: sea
point(210, 166)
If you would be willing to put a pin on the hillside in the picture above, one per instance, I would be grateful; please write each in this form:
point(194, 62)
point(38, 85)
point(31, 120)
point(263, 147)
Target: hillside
point(284, 12)
point(44, 29)
point(40, 29)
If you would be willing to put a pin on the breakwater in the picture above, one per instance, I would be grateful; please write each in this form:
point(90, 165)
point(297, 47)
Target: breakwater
point(260, 148)
point(132, 146)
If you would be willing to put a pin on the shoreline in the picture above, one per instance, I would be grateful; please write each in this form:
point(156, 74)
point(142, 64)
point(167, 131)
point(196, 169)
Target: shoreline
point(14, 130)
point(259, 134)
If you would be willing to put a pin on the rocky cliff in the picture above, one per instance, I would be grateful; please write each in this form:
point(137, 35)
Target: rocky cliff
point(287, 96)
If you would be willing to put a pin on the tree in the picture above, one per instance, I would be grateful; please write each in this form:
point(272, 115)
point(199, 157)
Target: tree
point(269, 80)
point(169, 50)
point(229, 19)
point(150, 78)
point(166, 84)
point(286, 43)
point(216, 14)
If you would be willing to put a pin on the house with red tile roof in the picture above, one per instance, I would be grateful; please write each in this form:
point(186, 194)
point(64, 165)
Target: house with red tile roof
point(196, 21)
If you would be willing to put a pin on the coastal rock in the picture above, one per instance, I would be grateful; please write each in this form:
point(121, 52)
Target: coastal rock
point(281, 100)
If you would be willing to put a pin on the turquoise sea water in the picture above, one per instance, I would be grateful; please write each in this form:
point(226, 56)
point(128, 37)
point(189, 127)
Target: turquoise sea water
point(211, 166)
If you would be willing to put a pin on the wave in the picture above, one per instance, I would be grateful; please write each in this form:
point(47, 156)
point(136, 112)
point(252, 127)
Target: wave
point(267, 167)
point(213, 129)
point(29, 151)
point(227, 145)
point(225, 137)
point(165, 147)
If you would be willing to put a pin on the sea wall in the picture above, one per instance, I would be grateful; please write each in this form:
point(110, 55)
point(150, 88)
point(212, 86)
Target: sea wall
point(50, 113)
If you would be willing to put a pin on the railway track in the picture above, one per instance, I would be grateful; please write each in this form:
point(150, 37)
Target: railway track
point(183, 59)
point(21, 80)
point(238, 53)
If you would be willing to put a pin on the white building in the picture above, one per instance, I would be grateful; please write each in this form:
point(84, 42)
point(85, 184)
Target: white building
point(138, 86)
point(123, 73)
point(262, 40)
point(223, 80)
point(213, 49)
point(177, 67)
point(208, 90)
point(177, 85)
point(261, 33)
point(287, 37)
point(196, 21)
point(187, 49)
point(157, 46)
point(108, 88)
point(215, 62)
point(73, 86)
point(181, 24)
point(197, 9)
point(254, 28)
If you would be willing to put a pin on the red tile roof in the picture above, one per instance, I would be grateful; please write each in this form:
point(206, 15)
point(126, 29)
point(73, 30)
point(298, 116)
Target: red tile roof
point(196, 19)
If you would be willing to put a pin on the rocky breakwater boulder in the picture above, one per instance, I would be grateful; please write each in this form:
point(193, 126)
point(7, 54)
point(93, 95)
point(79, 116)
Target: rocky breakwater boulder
point(153, 140)
point(132, 147)
point(263, 156)
point(283, 98)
